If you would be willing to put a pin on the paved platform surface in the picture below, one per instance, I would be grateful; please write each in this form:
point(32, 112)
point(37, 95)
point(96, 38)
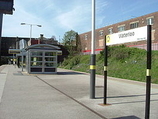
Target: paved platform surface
point(66, 95)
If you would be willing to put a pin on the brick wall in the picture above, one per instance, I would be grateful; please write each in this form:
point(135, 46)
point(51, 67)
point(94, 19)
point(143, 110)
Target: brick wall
point(101, 32)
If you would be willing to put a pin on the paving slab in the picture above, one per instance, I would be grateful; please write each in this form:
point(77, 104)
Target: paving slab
point(3, 75)
point(66, 95)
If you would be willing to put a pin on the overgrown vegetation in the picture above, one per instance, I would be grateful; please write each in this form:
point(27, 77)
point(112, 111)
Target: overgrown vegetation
point(71, 42)
point(123, 62)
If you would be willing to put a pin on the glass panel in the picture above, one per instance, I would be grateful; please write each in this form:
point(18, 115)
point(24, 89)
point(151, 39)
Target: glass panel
point(36, 63)
point(49, 64)
point(36, 58)
point(50, 53)
point(36, 53)
point(36, 69)
point(49, 69)
point(50, 59)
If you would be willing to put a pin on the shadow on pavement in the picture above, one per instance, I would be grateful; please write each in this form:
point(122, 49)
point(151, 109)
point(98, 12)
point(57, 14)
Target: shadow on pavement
point(127, 117)
point(69, 73)
point(124, 96)
point(129, 96)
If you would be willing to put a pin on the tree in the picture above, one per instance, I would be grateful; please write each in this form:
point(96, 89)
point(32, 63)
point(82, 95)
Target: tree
point(51, 40)
point(69, 38)
point(70, 41)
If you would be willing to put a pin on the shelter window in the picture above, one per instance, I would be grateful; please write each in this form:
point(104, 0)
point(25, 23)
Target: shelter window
point(36, 58)
point(36, 64)
point(50, 58)
point(36, 53)
point(50, 53)
point(50, 64)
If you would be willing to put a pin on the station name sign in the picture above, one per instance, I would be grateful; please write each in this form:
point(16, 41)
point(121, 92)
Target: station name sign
point(137, 34)
point(129, 34)
point(14, 51)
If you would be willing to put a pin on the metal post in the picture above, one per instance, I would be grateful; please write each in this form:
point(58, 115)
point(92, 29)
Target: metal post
point(105, 72)
point(22, 60)
point(30, 33)
point(1, 20)
point(148, 75)
point(31, 30)
point(93, 55)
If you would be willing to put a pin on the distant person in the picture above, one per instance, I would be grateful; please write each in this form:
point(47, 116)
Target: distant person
point(9, 62)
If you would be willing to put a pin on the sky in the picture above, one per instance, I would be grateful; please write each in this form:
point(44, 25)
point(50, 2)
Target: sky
point(59, 16)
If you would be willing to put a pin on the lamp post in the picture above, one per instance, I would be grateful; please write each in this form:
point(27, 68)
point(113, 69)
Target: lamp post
point(93, 55)
point(31, 29)
point(1, 19)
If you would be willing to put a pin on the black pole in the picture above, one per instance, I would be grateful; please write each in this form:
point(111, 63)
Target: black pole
point(105, 72)
point(148, 75)
point(92, 76)
point(1, 19)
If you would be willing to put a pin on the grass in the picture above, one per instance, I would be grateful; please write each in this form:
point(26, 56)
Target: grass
point(123, 62)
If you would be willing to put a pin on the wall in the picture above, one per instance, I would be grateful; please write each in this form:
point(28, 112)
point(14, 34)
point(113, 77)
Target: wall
point(101, 32)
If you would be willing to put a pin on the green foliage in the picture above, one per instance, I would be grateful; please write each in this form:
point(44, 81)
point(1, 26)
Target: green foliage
point(78, 63)
point(122, 53)
point(123, 62)
point(71, 42)
point(70, 62)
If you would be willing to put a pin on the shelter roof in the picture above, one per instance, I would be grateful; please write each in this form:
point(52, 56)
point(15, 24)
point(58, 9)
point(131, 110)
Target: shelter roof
point(43, 47)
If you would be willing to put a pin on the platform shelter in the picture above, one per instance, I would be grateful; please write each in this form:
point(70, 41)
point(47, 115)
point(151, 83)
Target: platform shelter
point(42, 58)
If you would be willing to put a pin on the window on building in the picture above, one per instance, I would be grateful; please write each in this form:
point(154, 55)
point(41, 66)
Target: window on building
point(150, 21)
point(86, 37)
point(101, 33)
point(121, 28)
point(134, 25)
point(110, 30)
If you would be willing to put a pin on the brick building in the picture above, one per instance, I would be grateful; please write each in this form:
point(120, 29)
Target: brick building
point(16, 43)
point(149, 19)
point(22, 42)
point(10, 43)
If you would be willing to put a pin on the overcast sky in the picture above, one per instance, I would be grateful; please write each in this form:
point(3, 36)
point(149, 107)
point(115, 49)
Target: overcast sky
point(60, 16)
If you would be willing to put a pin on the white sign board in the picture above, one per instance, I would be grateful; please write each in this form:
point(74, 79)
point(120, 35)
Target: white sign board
point(137, 34)
point(14, 51)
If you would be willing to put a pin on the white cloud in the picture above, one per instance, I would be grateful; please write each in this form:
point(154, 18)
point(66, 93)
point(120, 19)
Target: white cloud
point(56, 19)
point(77, 17)
point(70, 19)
